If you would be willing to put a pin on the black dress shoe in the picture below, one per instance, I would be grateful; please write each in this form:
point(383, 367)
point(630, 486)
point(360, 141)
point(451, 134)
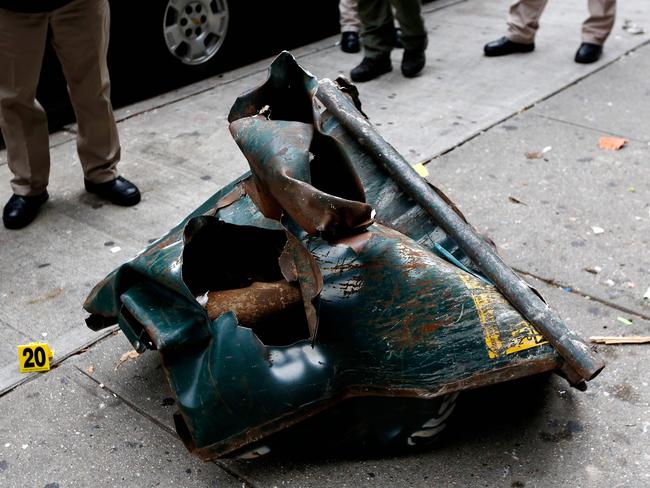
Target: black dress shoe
point(413, 61)
point(118, 191)
point(371, 68)
point(350, 42)
point(588, 53)
point(21, 211)
point(504, 46)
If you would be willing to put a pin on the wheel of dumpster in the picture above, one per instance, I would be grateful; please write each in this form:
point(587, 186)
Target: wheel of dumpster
point(195, 34)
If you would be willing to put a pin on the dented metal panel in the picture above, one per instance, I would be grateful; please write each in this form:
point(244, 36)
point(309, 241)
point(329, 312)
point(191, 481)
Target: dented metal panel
point(310, 286)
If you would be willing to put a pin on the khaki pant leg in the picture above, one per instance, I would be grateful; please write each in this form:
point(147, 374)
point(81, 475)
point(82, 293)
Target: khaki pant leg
point(523, 20)
point(22, 119)
point(80, 32)
point(409, 17)
point(378, 28)
point(349, 16)
point(602, 14)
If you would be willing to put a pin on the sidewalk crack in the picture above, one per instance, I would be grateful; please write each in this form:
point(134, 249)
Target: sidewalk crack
point(575, 291)
point(586, 127)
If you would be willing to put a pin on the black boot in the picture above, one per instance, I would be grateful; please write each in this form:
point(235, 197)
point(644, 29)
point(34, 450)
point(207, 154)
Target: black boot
point(413, 61)
point(350, 42)
point(20, 211)
point(119, 191)
point(371, 68)
point(588, 53)
point(504, 46)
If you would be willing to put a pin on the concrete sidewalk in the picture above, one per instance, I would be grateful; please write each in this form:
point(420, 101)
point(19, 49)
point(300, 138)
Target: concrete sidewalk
point(472, 119)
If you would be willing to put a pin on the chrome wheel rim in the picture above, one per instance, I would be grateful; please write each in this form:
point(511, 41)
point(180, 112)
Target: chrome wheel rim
point(195, 30)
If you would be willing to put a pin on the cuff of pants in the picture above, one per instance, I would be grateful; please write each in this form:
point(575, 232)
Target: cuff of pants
point(519, 39)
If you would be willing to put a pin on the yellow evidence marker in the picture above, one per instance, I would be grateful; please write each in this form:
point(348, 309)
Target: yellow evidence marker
point(34, 356)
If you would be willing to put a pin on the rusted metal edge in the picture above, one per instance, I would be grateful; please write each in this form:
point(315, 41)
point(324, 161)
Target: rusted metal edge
point(581, 363)
point(513, 371)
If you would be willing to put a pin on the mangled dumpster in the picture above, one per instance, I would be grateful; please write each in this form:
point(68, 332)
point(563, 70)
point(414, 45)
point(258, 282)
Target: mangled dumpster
point(329, 292)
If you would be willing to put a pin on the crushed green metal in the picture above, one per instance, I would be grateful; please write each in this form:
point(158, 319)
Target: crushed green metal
point(315, 293)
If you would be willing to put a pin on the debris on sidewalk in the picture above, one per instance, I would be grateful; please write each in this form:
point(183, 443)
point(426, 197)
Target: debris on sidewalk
point(631, 28)
point(624, 321)
point(516, 200)
point(646, 295)
point(612, 143)
point(593, 270)
point(538, 154)
point(609, 340)
point(127, 356)
point(337, 297)
point(597, 230)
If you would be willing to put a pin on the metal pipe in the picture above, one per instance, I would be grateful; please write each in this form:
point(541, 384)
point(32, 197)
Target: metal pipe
point(581, 363)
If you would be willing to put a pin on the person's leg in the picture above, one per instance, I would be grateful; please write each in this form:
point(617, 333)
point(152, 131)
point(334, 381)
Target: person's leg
point(377, 27)
point(349, 16)
point(411, 22)
point(80, 33)
point(22, 119)
point(378, 40)
point(602, 14)
point(350, 24)
point(523, 20)
point(413, 35)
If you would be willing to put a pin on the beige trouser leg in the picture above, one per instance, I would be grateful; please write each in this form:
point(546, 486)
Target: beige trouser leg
point(523, 20)
point(22, 119)
point(80, 33)
point(602, 14)
point(349, 16)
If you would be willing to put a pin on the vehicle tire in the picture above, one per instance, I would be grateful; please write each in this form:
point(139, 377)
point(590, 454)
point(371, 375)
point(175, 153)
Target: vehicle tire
point(194, 36)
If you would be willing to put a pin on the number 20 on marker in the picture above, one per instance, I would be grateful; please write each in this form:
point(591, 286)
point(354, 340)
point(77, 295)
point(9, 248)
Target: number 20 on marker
point(33, 357)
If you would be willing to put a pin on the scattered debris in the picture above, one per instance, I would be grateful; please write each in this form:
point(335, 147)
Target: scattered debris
point(597, 230)
point(610, 282)
point(516, 200)
point(90, 369)
point(632, 28)
point(127, 356)
point(623, 320)
point(421, 169)
point(116, 249)
point(203, 299)
point(612, 143)
point(594, 270)
point(647, 294)
point(620, 339)
point(538, 154)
